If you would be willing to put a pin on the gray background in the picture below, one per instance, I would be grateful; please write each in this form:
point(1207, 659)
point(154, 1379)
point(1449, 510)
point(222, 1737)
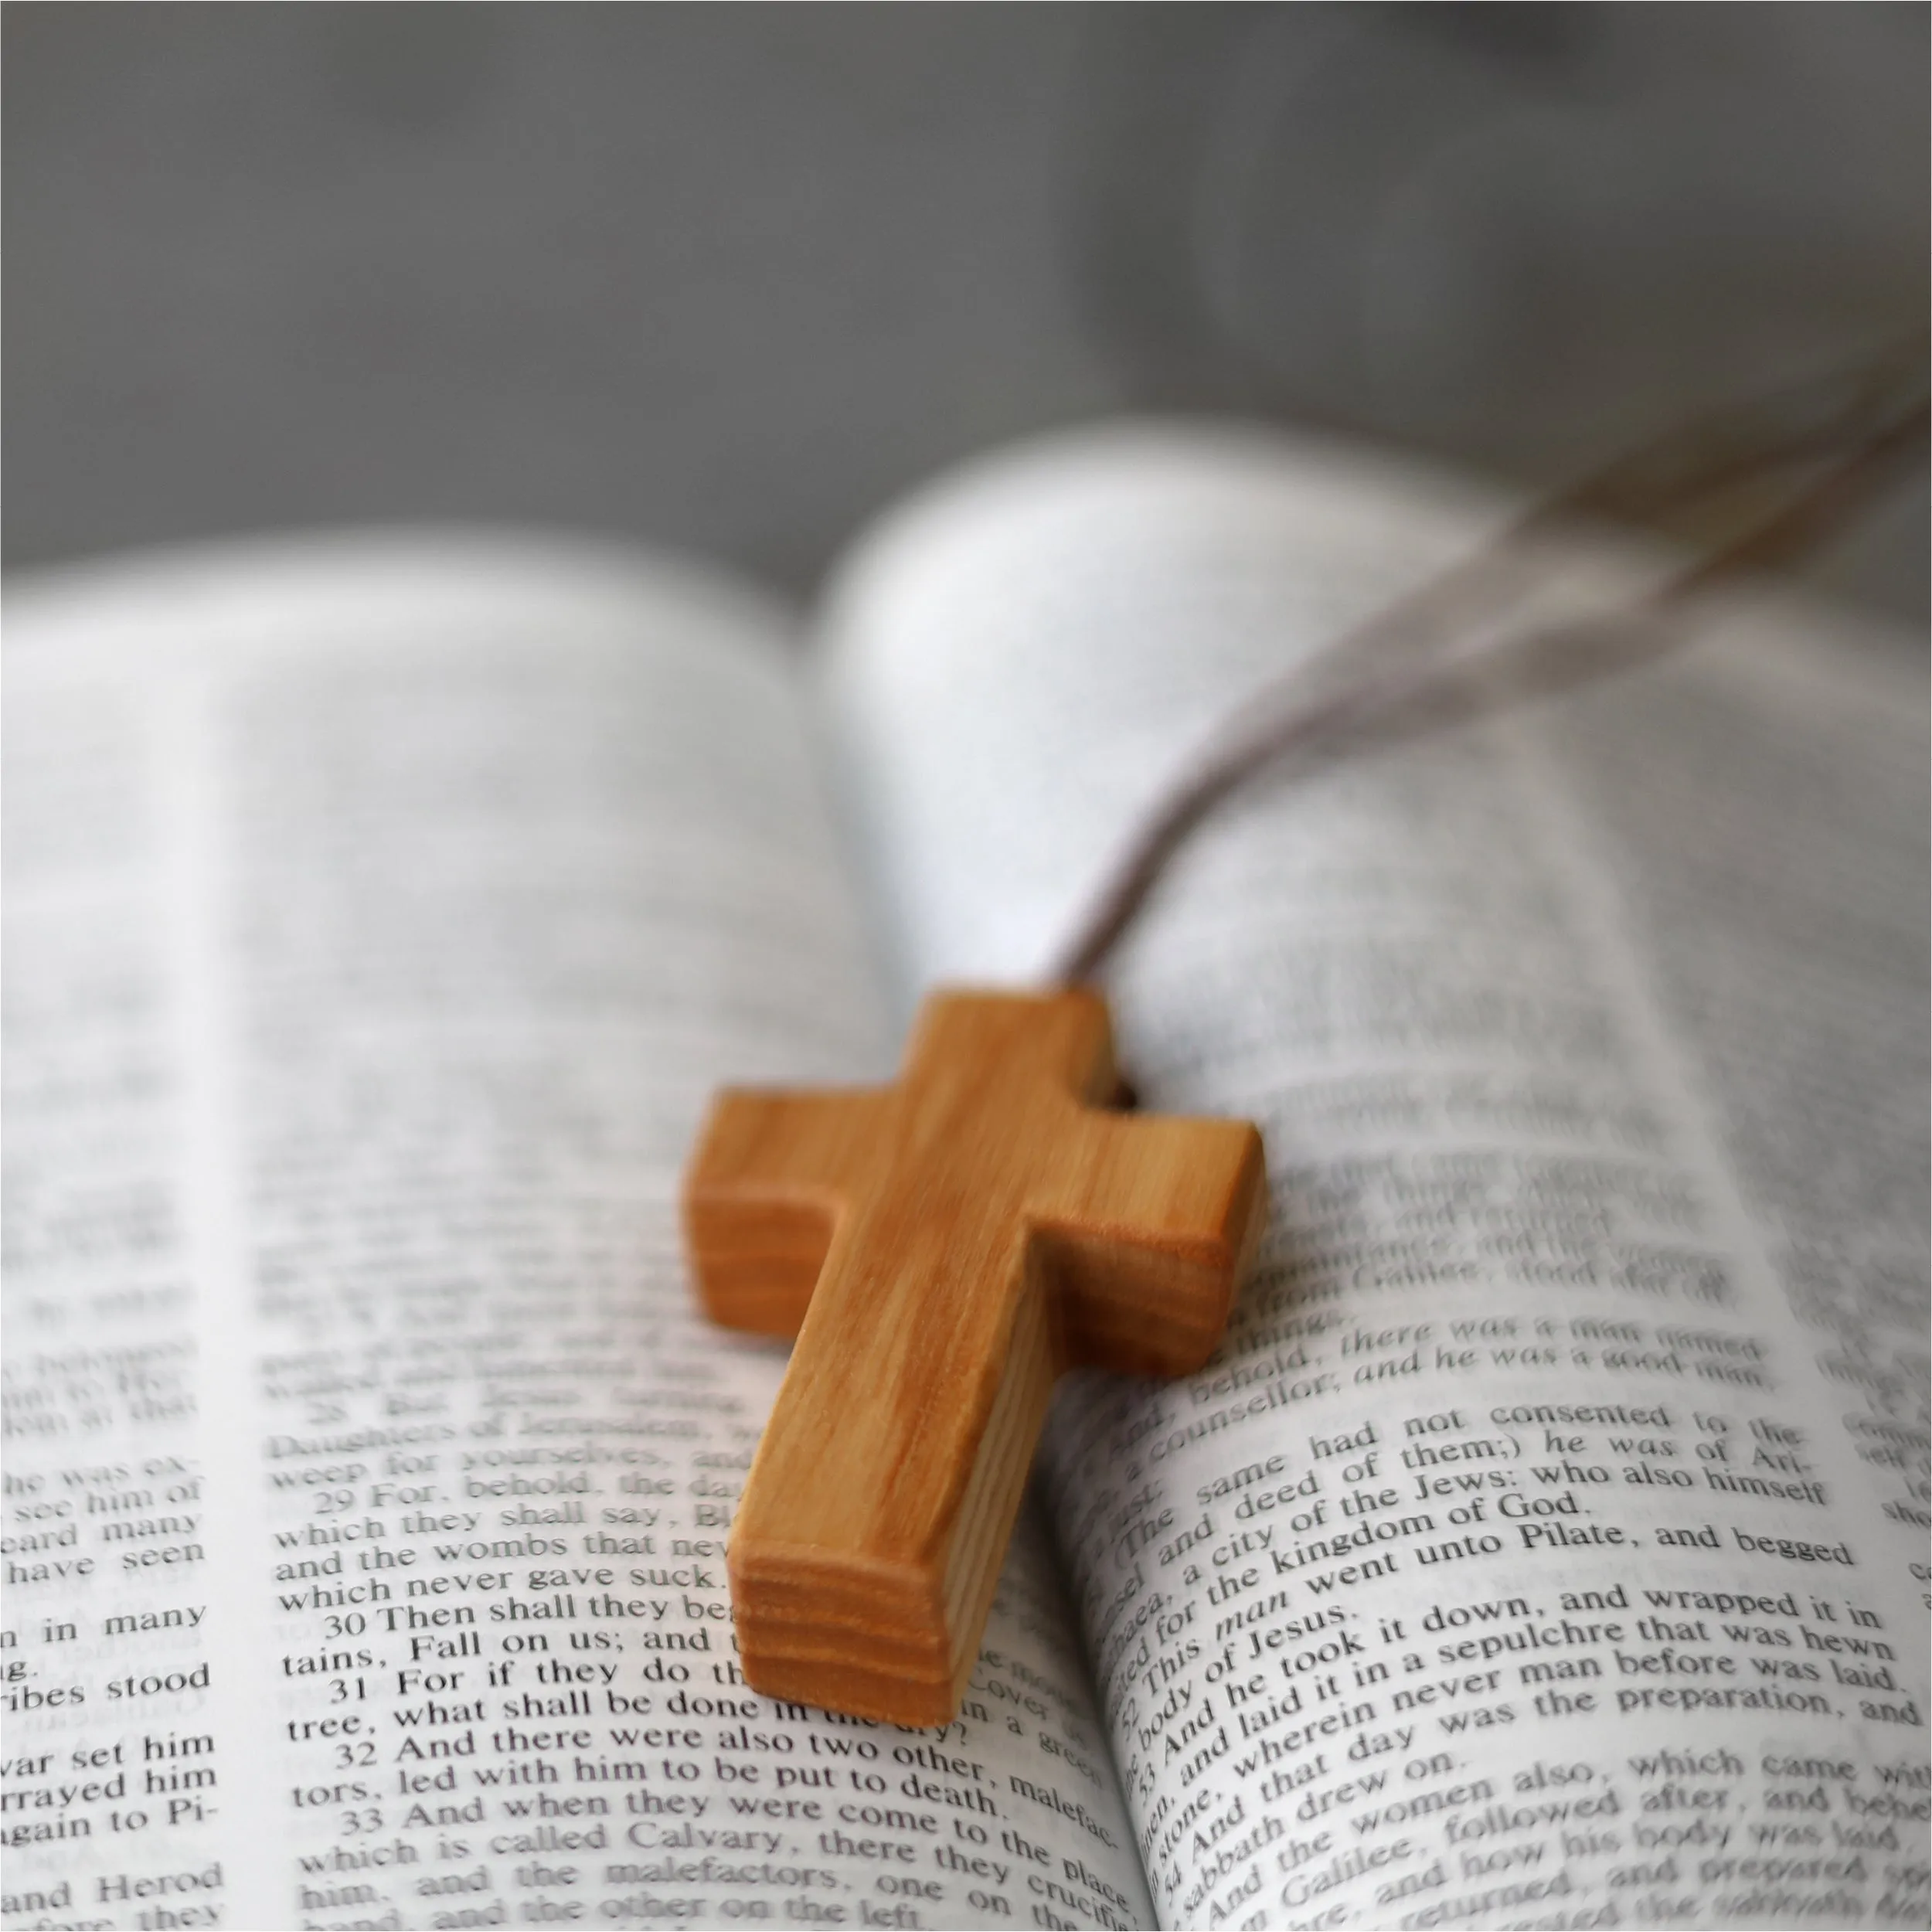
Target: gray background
point(729, 277)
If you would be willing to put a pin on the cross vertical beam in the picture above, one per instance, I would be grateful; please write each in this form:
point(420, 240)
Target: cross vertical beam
point(943, 1248)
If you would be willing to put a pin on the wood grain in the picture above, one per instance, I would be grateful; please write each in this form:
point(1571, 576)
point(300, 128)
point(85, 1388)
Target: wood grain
point(942, 1249)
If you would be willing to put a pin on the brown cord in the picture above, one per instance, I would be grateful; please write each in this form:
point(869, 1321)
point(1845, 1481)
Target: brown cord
point(1851, 435)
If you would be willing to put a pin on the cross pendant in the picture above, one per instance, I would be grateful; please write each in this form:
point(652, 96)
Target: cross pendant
point(942, 1248)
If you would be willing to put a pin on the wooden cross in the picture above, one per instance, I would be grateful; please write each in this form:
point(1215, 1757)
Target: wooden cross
point(942, 1248)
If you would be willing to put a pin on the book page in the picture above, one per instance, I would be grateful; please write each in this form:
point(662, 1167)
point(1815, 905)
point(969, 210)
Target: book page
point(379, 917)
point(1546, 1543)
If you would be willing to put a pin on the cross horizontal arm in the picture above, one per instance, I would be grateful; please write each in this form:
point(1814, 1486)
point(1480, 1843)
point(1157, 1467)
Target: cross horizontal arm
point(772, 1173)
point(1146, 1235)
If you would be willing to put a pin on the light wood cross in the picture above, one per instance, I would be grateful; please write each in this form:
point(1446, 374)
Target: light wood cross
point(943, 1248)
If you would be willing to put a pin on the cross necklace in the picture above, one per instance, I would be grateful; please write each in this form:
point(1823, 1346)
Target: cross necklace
point(941, 1249)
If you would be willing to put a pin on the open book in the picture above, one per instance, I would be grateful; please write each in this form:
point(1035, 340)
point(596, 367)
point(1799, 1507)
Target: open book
point(1546, 1546)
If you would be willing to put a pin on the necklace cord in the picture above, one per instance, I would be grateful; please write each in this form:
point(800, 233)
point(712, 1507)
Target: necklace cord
point(1745, 487)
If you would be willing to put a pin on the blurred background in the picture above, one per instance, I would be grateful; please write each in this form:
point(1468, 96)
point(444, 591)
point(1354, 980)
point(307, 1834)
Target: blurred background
point(731, 277)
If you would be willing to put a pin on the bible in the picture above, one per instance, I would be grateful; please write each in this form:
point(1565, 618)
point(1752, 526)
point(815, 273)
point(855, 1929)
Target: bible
point(1545, 1543)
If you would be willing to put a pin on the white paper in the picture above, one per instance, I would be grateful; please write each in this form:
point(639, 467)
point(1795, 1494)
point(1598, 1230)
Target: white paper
point(379, 918)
